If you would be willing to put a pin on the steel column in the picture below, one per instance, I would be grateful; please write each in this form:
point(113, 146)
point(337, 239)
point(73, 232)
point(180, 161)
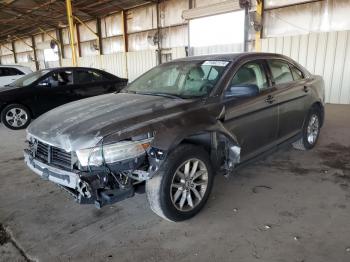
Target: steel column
point(71, 31)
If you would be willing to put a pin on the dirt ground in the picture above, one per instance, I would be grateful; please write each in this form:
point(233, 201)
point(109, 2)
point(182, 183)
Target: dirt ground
point(290, 206)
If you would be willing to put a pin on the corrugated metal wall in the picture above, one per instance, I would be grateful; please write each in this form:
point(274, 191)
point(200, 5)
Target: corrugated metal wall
point(326, 54)
point(129, 65)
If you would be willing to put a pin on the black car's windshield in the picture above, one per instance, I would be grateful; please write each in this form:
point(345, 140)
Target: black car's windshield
point(185, 79)
point(30, 78)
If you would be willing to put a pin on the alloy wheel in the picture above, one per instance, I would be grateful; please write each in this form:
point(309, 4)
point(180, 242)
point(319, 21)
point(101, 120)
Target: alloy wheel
point(189, 185)
point(16, 117)
point(313, 129)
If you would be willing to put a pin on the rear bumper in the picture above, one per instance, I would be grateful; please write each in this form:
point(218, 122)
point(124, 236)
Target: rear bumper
point(58, 176)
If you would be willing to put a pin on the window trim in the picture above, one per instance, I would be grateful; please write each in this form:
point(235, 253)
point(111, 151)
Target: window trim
point(290, 65)
point(264, 66)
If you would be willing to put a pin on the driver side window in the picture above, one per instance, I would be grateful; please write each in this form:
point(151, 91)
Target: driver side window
point(60, 78)
point(250, 74)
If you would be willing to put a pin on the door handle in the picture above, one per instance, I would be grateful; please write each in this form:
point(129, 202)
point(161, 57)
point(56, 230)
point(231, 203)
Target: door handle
point(270, 99)
point(306, 89)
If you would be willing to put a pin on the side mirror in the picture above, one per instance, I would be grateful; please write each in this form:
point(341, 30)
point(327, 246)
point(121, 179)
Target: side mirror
point(242, 91)
point(44, 84)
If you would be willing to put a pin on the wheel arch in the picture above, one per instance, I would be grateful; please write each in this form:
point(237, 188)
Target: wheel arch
point(217, 144)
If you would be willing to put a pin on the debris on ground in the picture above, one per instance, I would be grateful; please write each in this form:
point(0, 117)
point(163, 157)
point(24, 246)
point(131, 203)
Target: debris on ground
point(258, 189)
point(296, 238)
point(266, 227)
point(235, 210)
point(4, 237)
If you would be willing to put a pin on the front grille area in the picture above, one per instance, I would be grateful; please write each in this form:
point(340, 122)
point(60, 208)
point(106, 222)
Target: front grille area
point(52, 155)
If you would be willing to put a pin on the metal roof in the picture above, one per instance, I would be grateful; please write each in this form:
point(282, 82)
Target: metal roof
point(23, 18)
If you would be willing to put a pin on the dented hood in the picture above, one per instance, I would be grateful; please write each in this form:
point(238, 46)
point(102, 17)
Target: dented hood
point(82, 124)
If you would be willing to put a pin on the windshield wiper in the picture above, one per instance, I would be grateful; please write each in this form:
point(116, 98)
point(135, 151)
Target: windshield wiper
point(160, 94)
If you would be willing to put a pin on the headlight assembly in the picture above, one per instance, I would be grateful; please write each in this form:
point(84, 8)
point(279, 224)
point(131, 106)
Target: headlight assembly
point(112, 153)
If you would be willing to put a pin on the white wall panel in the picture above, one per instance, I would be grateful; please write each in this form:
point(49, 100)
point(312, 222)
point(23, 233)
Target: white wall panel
point(171, 12)
point(7, 60)
point(326, 54)
point(113, 44)
point(142, 18)
point(178, 52)
point(114, 64)
point(30, 64)
point(112, 25)
point(85, 34)
point(174, 36)
point(5, 49)
point(140, 62)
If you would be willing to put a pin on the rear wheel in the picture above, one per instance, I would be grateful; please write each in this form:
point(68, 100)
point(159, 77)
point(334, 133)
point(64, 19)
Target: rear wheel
point(310, 132)
point(15, 116)
point(182, 186)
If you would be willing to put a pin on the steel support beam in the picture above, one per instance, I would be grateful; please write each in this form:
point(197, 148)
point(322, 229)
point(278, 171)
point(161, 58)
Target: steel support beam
point(259, 13)
point(99, 34)
point(35, 55)
point(76, 27)
point(159, 47)
point(71, 31)
point(14, 51)
point(125, 32)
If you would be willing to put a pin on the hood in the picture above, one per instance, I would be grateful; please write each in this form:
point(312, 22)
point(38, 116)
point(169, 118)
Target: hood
point(82, 124)
point(7, 89)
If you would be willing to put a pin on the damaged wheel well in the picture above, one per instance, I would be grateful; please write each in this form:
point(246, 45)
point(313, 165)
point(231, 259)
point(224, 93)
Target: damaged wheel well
point(224, 152)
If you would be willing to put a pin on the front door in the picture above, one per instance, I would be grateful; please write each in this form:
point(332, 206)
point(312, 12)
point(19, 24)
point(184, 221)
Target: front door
point(55, 90)
point(254, 119)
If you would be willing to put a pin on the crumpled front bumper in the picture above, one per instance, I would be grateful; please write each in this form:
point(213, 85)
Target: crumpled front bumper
point(58, 176)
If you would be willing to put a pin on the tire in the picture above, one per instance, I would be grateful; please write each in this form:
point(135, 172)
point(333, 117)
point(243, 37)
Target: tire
point(306, 142)
point(15, 116)
point(163, 189)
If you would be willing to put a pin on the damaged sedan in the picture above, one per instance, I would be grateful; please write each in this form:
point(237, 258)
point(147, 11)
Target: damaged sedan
point(174, 128)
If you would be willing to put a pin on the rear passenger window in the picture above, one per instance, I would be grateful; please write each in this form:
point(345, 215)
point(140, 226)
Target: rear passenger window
point(89, 76)
point(280, 72)
point(297, 74)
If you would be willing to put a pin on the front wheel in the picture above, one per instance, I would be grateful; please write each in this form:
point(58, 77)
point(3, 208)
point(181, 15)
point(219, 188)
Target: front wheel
point(182, 186)
point(310, 131)
point(15, 116)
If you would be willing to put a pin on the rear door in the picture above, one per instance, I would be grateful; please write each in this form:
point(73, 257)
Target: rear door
point(253, 120)
point(89, 82)
point(291, 96)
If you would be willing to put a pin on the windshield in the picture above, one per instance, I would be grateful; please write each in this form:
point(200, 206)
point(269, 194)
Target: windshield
point(30, 78)
point(186, 79)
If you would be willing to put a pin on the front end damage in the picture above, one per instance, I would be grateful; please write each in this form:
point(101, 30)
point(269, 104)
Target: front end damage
point(109, 173)
point(102, 184)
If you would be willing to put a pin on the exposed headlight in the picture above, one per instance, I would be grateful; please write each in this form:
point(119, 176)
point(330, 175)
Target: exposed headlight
point(112, 153)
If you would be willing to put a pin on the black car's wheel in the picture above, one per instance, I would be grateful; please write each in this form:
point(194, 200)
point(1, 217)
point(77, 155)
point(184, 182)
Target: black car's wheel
point(182, 186)
point(310, 132)
point(15, 116)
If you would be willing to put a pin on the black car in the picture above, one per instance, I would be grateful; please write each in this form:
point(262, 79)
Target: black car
point(176, 126)
point(41, 91)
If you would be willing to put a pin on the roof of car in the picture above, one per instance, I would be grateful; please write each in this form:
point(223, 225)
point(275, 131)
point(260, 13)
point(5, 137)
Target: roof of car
point(71, 67)
point(24, 69)
point(227, 57)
